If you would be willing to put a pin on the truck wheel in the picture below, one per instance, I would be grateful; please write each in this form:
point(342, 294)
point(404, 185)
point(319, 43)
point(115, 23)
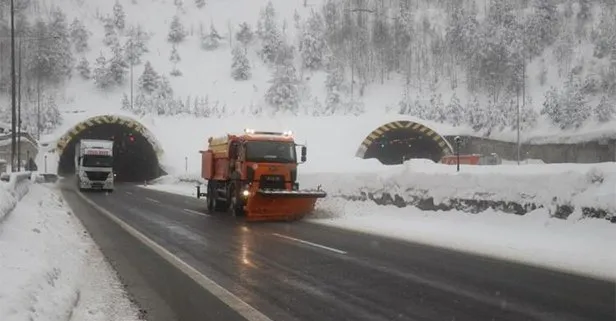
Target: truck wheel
point(211, 194)
point(217, 204)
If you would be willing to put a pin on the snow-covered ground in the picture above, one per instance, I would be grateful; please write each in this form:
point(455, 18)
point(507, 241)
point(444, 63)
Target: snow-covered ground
point(50, 268)
point(574, 244)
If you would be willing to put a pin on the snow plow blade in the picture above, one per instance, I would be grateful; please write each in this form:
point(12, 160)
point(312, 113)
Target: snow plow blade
point(281, 205)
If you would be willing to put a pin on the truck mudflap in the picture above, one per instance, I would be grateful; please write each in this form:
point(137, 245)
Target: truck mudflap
point(274, 205)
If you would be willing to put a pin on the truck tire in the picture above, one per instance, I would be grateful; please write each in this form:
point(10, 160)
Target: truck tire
point(211, 194)
point(218, 205)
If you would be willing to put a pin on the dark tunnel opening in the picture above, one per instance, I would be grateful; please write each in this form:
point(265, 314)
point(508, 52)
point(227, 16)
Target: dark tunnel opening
point(398, 145)
point(134, 159)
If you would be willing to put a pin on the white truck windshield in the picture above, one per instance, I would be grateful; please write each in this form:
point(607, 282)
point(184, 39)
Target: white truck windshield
point(97, 161)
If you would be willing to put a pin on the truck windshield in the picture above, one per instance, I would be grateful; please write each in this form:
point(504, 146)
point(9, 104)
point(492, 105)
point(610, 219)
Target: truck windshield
point(97, 161)
point(271, 152)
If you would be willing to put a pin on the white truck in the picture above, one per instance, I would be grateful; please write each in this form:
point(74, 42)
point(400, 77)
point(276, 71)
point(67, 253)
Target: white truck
point(94, 164)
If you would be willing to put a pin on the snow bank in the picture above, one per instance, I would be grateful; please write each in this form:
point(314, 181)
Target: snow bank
point(576, 185)
point(51, 269)
point(12, 191)
point(535, 238)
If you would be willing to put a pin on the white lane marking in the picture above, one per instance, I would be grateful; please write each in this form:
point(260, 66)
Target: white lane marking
point(152, 200)
point(311, 244)
point(235, 303)
point(129, 193)
point(195, 212)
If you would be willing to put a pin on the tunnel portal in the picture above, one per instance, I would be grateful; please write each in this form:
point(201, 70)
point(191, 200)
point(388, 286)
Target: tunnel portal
point(396, 142)
point(135, 155)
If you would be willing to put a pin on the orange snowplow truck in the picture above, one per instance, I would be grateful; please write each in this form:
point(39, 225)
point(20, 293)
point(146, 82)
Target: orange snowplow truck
point(255, 175)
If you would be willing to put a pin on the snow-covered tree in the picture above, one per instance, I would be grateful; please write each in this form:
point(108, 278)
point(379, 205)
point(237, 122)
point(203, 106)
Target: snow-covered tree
point(118, 65)
point(568, 108)
point(126, 103)
point(136, 45)
point(271, 39)
point(84, 68)
point(605, 111)
point(111, 35)
point(240, 67)
point(119, 17)
point(177, 33)
point(200, 3)
point(175, 59)
point(454, 112)
point(244, 35)
point(102, 77)
point(312, 42)
point(334, 86)
point(79, 36)
point(211, 41)
point(54, 56)
point(149, 80)
point(283, 94)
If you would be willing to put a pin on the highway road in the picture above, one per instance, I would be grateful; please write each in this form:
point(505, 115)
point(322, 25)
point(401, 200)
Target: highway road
point(234, 270)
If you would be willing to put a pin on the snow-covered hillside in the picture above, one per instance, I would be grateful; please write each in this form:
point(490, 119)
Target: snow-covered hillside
point(465, 63)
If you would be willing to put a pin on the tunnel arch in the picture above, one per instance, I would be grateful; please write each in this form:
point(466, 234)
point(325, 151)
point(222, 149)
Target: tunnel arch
point(137, 153)
point(396, 141)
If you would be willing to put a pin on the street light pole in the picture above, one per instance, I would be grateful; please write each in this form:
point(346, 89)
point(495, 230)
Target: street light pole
point(19, 111)
point(13, 87)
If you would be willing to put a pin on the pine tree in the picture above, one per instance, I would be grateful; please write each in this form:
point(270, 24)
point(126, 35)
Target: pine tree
point(605, 111)
point(200, 3)
point(149, 80)
point(175, 59)
point(126, 103)
point(119, 17)
point(111, 36)
point(176, 31)
point(79, 36)
point(118, 65)
point(312, 42)
point(454, 112)
point(271, 38)
point(240, 67)
point(51, 116)
point(211, 41)
point(476, 115)
point(84, 68)
point(102, 77)
point(334, 85)
point(283, 93)
point(61, 55)
point(244, 35)
point(136, 45)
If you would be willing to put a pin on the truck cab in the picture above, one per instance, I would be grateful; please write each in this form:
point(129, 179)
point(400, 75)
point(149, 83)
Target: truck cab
point(94, 165)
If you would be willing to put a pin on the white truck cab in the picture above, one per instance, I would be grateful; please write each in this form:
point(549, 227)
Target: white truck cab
point(94, 164)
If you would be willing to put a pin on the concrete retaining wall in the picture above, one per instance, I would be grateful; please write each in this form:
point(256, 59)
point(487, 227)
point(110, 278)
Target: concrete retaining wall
point(598, 151)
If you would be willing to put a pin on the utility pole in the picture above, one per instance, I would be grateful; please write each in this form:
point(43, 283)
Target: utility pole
point(19, 111)
point(13, 93)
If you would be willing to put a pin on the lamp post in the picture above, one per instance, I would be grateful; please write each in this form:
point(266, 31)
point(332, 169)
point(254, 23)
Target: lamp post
point(13, 93)
point(458, 140)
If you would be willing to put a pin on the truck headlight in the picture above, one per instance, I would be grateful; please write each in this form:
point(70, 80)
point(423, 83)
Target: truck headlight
point(245, 193)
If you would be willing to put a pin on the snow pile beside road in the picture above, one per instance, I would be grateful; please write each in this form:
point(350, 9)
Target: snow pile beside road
point(578, 246)
point(11, 192)
point(51, 269)
point(576, 185)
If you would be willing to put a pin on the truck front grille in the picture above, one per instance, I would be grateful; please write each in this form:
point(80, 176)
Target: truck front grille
point(271, 182)
point(97, 176)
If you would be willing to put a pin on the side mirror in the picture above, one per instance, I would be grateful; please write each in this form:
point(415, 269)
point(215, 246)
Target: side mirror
point(304, 151)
